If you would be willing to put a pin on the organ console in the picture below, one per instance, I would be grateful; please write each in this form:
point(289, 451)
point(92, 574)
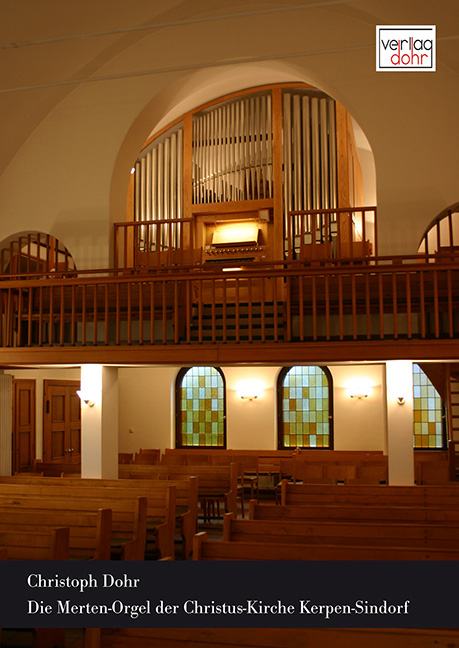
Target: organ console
point(234, 238)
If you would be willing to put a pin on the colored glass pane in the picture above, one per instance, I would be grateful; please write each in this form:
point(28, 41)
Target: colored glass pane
point(428, 412)
point(305, 408)
point(202, 405)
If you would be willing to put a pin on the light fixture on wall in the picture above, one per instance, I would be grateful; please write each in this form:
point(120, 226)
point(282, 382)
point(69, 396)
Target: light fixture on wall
point(401, 400)
point(358, 395)
point(358, 389)
point(85, 398)
point(249, 390)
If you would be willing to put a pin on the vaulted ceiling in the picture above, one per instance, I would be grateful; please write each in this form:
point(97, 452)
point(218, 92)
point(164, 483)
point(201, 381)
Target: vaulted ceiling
point(49, 47)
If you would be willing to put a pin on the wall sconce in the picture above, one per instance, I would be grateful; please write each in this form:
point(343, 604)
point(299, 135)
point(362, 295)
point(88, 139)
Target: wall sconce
point(401, 400)
point(85, 398)
point(358, 395)
point(358, 390)
point(250, 390)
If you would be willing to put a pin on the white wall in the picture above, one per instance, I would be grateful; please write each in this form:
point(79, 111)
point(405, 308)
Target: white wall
point(146, 406)
point(251, 423)
point(359, 424)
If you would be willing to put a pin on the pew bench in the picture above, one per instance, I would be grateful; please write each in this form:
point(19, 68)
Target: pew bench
point(55, 469)
point(161, 508)
point(374, 533)
point(32, 545)
point(121, 530)
point(204, 549)
point(186, 494)
point(161, 505)
point(89, 532)
point(369, 494)
point(217, 485)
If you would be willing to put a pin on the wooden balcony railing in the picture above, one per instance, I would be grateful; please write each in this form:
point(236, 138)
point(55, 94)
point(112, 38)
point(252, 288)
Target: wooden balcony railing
point(323, 234)
point(358, 300)
point(155, 243)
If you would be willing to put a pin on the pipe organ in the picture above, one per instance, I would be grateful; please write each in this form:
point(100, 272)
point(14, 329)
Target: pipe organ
point(271, 151)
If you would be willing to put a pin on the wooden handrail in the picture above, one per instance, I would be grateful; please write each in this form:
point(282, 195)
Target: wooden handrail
point(359, 265)
point(284, 301)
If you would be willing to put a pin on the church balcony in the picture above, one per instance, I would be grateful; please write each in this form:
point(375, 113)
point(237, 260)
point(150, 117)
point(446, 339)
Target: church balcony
point(374, 308)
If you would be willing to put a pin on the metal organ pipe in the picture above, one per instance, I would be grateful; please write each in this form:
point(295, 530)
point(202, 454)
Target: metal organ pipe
point(309, 144)
point(158, 191)
point(232, 151)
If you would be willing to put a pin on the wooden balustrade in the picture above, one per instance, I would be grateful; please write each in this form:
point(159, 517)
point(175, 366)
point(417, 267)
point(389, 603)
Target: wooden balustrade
point(284, 302)
point(326, 234)
point(154, 243)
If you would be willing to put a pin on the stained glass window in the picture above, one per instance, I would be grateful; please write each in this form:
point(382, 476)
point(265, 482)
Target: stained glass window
point(428, 419)
point(200, 408)
point(305, 408)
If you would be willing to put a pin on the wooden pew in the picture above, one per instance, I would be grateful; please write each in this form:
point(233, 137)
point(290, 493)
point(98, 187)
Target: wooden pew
point(147, 456)
point(55, 469)
point(186, 493)
point(204, 549)
point(50, 544)
point(185, 455)
point(215, 483)
point(369, 494)
point(89, 533)
point(354, 513)
point(431, 467)
point(374, 533)
point(270, 638)
point(161, 507)
point(324, 466)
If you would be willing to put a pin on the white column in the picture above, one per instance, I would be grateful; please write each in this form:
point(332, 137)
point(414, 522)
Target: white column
point(399, 391)
point(6, 409)
point(99, 421)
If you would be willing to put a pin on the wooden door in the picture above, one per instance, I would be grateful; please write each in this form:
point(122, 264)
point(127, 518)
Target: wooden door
point(62, 422)
point(24, 429)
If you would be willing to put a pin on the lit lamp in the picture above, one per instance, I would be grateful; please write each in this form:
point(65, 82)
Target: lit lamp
point(358, 390)
point(85, 398)
point(249, 390)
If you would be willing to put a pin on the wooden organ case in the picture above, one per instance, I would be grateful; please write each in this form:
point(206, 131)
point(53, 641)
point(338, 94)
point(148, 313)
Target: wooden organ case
point(239, 181)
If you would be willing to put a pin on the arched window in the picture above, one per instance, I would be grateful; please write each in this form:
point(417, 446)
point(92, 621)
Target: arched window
point(305, 407)
point(428, 413)
point(201, 408)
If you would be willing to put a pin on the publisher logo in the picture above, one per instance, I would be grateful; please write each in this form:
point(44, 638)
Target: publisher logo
point(405, 47)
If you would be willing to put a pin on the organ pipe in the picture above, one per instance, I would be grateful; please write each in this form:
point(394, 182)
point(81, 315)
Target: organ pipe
point(232, 151)
point(309, 146)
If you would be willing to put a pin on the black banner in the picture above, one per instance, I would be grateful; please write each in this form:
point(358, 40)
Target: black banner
point(229, 594)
